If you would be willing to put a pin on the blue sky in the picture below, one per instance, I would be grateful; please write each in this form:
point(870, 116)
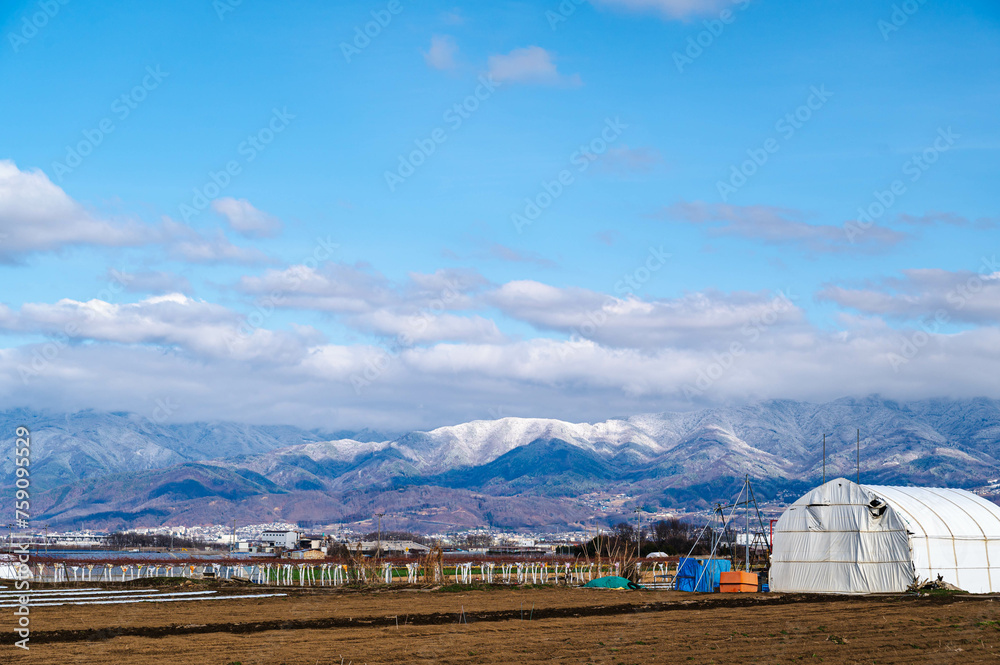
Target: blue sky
point(437, 305)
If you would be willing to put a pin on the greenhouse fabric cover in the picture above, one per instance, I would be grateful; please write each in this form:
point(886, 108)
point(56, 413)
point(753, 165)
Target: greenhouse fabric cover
point(689, 574)
point(847, 538)
point(611, 582)
point(9, 567)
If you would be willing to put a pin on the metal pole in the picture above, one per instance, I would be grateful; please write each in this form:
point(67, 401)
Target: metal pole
point(747, 569)
point(378, 550)
point(638, 532)
point(824, 459)
point(859, 457)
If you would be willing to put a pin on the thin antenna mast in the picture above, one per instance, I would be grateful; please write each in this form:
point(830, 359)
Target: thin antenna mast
point(859, 457)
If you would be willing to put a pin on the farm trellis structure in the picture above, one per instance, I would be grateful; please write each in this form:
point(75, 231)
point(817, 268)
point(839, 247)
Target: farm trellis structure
point(431, 570)
point(756, 549)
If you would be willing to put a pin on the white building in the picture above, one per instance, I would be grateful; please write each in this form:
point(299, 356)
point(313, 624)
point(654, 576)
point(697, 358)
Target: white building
point(280, 538)
point(78, 539)
point(847, 538)
point(389, 547)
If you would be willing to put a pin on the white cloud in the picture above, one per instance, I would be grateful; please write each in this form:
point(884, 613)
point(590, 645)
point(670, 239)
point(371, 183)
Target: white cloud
point(443, 360)
point(780, 226)
point(449, 383)
point(502, 252)
point(245, 219)
point(529, 65)
point(948, 219)
point(626, 160)
point(948, 296)
point(186, 244)
point(413, 312)
point(636, 356)
point(694, 321)
point(344, 289)
point(37, 215)
point(442, 52)
point(673, 9)
point(454, 287)
point(173, 320)
point(334, 288)
point(427, 327)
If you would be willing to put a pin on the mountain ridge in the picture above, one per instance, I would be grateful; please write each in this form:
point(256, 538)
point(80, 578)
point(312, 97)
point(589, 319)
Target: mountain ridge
point(202, 470)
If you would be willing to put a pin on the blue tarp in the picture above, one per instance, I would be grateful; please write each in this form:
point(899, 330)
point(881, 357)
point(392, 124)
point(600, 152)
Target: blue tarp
point(690, 570)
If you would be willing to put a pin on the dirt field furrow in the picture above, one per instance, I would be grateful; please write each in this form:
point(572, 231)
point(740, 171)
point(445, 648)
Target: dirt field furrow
point(565, 626)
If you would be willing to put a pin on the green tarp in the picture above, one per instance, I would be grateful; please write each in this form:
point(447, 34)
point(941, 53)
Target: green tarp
point(611, 582)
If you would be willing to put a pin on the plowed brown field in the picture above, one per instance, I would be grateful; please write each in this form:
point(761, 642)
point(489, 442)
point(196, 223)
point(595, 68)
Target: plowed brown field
point(560, 625)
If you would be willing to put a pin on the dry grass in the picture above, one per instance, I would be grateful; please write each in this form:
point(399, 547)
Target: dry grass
point(567, 625)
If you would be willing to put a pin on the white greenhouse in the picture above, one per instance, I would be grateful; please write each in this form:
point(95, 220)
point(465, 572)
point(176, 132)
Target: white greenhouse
point(8, 567)
point(847, 538)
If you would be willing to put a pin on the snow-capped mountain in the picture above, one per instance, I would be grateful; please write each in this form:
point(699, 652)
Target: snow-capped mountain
point(690, 458)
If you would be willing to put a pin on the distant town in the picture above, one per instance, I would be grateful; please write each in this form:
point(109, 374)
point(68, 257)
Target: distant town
point(283, 538)
point(286, 538)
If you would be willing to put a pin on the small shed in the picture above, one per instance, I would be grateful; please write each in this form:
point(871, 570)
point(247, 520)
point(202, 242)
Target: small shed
point(843, 537)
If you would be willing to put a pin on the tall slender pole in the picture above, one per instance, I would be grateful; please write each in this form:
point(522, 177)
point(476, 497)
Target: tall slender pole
point(747, 569)
point(859, 457)
point(638, 532)
point(824, 459)
point(378, 550)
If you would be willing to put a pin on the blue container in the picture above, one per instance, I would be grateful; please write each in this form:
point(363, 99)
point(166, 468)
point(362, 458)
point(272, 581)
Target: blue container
point(701, 572)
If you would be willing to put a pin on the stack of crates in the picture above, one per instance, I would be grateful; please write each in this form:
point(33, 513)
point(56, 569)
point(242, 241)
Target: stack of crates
point(738, 582)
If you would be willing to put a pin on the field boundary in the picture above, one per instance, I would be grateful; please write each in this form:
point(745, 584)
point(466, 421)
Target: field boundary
point(493, 616)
